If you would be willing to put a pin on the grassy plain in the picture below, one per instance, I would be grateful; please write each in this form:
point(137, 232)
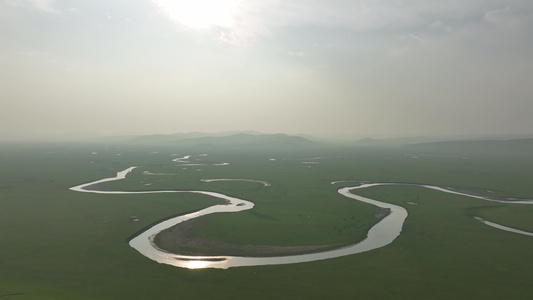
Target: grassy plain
point(60, 244)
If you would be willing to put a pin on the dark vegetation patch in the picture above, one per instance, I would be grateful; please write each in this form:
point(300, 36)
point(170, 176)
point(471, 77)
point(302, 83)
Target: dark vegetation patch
point(183, 239)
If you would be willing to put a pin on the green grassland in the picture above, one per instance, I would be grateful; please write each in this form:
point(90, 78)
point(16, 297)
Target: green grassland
point(60, 244)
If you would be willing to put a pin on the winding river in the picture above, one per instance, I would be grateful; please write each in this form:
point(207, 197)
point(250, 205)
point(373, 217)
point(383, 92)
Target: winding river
point(381, 234)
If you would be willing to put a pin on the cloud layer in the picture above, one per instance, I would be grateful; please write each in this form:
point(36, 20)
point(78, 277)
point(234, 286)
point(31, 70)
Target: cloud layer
point(350, 67)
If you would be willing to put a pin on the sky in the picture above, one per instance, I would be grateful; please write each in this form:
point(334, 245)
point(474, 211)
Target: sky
point(345, 67)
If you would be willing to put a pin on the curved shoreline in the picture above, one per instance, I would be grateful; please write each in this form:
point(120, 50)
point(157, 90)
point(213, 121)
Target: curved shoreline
point(504, 228)
point(181, 239)
point(264, 183)
point(381, 234)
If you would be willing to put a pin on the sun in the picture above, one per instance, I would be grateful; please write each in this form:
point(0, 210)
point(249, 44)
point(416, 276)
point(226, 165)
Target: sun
point(199, 13)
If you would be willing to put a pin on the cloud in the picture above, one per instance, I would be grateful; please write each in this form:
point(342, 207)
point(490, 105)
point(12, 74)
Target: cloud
point(354, 15)
point(41, 5)
point(414, 36)
point(254, 19)
point(296, 53)
point(421, 63)
point(505, 18)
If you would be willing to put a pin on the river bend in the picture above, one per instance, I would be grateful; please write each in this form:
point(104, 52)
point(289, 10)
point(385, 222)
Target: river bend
point(381, 234)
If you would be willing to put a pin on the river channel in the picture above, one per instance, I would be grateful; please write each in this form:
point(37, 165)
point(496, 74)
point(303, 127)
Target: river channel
point(381, 234)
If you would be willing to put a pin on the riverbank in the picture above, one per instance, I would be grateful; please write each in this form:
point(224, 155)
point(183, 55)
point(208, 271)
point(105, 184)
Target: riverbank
point(183, 239)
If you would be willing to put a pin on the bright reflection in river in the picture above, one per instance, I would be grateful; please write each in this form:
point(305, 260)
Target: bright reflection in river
point(196, 264)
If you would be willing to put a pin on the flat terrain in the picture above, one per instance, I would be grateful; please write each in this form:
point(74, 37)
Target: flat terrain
point(184, 239)
point(60, 244)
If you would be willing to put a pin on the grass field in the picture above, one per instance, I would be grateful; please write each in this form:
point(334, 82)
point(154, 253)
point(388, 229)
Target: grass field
point(60, 244)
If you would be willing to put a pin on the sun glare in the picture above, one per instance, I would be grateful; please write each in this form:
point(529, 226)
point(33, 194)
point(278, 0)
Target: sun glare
point(199, 13)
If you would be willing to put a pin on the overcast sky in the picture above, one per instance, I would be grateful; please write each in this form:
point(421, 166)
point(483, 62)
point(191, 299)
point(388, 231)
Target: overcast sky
point(413, 67)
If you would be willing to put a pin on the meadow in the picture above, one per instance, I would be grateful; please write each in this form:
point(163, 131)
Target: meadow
point(59, 244)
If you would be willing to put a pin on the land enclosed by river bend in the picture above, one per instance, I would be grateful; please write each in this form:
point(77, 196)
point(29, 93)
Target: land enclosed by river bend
point(183, 239)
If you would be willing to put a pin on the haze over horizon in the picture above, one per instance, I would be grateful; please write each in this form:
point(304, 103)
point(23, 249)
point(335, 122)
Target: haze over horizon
point(299, 67)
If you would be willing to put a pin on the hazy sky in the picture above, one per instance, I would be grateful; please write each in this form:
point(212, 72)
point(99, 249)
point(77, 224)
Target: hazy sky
point(412, 67)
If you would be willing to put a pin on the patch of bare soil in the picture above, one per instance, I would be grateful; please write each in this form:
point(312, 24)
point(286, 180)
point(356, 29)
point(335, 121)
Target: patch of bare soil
point(181, 239)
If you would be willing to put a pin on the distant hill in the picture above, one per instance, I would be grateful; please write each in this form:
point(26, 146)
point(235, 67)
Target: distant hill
point(247, 140)
point(162, 138)
point(153, 138)
point(367, 142)
point(397, 141)
point(512, 146)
